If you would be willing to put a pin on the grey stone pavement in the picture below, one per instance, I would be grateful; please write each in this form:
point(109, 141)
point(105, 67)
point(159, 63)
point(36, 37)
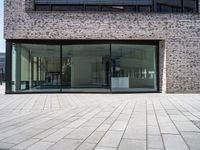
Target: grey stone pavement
point(99, 121)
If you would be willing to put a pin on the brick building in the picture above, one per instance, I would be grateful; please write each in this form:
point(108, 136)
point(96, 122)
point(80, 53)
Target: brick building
point(102, 46)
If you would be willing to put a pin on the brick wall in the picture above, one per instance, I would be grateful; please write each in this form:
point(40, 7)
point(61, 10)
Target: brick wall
point(179, 36)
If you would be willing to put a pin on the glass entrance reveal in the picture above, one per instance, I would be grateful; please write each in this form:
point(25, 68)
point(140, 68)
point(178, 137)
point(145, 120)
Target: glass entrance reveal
point(126, 66)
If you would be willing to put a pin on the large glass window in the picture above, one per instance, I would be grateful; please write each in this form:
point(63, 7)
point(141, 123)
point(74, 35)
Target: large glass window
point(134, 67)
point(103, 67)
point(35, 67)
point(86, 67)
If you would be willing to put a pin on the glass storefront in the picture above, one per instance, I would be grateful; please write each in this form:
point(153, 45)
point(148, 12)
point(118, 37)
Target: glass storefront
point(84, 67)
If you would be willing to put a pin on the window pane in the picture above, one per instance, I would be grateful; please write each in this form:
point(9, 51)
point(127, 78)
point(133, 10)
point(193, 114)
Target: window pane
point(35, 67)
point(130, 8)
point(43, 7)
point(133, 67)
point(144, 8)
point(190, 5)
point(168, 8)
point(91, 8)
point(86, 68)
point(113, 8)
point(187, 9)
point(68, 7)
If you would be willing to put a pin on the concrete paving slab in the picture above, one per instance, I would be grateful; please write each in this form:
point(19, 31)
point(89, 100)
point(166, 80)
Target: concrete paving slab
point(99, 121)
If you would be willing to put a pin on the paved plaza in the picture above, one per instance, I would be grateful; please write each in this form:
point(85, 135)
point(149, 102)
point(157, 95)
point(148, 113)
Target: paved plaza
point(99, 121)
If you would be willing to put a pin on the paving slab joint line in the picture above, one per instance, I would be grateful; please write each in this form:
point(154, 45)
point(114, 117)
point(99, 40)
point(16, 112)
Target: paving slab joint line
point(133, 110)
point(96, 145)
point(196, 123)
point(155, 113)
point(175, 126)
point(76, 128)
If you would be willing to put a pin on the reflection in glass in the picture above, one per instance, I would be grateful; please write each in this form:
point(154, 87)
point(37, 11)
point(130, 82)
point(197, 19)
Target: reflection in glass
point(133, 67)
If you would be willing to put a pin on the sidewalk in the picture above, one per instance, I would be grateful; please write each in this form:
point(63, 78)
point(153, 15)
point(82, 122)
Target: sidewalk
point(100, 122)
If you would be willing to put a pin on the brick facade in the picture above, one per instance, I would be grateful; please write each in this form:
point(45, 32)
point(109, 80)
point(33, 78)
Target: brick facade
point(179, 36)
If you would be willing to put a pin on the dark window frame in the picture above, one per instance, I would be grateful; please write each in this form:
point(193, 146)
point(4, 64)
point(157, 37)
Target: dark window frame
point(147, 6)
point(169, 6)
point(188, 9)
point(9, 44)
point(153, 7)
point(126, 8)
